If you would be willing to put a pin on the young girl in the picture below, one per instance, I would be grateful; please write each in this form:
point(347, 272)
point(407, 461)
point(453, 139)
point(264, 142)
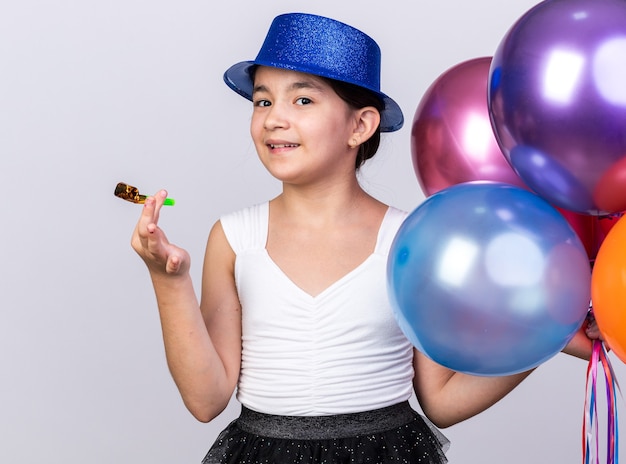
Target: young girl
point(294, 311)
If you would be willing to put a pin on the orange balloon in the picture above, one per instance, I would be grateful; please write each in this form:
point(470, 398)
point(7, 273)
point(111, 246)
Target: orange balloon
point(608, 288)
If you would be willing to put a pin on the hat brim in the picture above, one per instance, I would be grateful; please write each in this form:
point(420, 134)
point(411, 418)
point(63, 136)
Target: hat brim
point(239, 78)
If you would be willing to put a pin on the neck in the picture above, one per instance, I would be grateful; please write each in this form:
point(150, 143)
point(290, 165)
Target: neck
point(322, 204)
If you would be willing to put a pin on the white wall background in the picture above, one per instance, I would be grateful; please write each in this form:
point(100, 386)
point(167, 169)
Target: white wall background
point(96, 92)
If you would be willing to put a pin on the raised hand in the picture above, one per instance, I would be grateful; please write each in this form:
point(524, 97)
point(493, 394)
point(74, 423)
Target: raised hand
point(152, 245)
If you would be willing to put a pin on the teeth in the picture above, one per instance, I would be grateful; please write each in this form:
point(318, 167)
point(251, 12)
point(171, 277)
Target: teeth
point(283, 145)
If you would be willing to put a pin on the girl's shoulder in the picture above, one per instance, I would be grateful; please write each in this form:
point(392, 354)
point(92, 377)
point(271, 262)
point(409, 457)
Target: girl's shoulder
point(395, 217)
point(246, 228)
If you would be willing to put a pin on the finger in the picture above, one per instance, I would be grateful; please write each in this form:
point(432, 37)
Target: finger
point(148, 238)
point(159, 198)
point(174, 262)
point(151, 208)
point(593, 331)
point(148, 216)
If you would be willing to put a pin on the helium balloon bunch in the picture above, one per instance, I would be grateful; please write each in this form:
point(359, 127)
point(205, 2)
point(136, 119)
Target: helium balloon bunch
point(557, 102)
point(522, 157)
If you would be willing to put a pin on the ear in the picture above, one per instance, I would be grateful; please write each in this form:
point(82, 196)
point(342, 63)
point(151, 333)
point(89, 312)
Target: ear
point(367, 120)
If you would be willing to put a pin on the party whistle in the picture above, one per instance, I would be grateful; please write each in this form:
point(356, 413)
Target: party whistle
point(130, 193)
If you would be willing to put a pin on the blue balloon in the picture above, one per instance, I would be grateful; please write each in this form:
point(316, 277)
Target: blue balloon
point(488, 279)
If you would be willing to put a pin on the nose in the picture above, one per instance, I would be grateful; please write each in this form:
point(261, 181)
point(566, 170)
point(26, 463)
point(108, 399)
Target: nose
point(276, 117)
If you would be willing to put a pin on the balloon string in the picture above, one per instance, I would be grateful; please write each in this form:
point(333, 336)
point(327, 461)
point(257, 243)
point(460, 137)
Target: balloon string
point(612, 420)
point(590, 438)
point(590, 417)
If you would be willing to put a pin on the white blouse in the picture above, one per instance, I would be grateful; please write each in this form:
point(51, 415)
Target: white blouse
point(338, 352)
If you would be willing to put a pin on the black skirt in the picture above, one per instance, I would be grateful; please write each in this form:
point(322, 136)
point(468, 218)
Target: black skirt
point(395, 434)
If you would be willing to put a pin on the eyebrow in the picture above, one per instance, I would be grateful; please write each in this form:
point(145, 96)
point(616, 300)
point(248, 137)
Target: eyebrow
point(294, 86)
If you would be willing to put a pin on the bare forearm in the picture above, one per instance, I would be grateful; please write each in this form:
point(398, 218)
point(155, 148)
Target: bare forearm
point(204, 374)
point(469, 395)
point(448, 397)
point(580, 345)
point(191, 356)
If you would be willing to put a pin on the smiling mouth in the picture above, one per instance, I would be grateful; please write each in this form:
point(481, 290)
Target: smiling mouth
point(283, 145)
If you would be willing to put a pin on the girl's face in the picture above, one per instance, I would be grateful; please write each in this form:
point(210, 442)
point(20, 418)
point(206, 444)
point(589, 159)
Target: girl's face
point(300, 127)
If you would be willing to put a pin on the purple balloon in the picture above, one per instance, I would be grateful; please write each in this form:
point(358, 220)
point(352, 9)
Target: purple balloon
point(557, 101)
point(452, 140)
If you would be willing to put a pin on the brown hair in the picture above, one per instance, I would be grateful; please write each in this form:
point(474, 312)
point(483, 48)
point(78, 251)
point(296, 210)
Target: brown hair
point(358, 97)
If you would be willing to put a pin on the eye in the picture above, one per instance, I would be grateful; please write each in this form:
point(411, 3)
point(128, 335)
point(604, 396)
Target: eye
point(262, 103)
point(303, 101)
